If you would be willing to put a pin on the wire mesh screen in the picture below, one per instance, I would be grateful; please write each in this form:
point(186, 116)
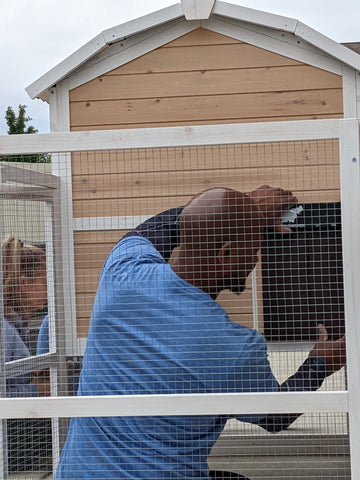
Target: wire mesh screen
point(26, 280)
point(208, 292)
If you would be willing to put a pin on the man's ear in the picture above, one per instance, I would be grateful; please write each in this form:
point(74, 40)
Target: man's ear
point(227, 256)
point(24, 282)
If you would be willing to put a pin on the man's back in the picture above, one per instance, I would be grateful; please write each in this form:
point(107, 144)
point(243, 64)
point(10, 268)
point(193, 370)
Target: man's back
point(153, 333)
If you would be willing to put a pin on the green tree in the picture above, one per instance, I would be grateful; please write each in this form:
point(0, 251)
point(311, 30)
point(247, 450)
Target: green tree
point(17, 125)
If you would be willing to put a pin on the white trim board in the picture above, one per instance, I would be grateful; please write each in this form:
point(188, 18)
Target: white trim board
point(286, 44)
point(350, 214)
point(223, 134)
point(108, 223)
point(176, 404)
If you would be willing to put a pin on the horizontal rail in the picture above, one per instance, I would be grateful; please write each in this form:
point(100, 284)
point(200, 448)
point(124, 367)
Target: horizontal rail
point(169, 137)
point(10, 173)
point(191, 404)
point(30, 364)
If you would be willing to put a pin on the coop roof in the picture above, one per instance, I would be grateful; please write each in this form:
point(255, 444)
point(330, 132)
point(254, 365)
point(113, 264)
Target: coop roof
point(195, 14)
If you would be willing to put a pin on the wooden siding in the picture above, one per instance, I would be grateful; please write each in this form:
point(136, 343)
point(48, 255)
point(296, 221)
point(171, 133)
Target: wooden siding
point(200, 78)
point(203, 78)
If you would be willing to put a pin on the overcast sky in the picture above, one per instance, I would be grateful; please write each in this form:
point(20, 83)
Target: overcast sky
point(35, 35)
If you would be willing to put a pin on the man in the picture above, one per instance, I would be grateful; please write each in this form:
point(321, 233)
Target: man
point(156, 329)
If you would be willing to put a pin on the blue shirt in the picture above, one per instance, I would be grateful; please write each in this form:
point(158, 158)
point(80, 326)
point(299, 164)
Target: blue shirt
point(153, 333)
point(15, 349)
point(43, 337)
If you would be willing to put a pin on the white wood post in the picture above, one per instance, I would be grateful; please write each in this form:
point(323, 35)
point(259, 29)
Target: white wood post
point(350, 203)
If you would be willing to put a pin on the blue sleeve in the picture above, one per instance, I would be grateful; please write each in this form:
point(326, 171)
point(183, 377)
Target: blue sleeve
point(15, 349)
point(43, 337)
point(309, 377)
point(255, 374)
point(24, 389)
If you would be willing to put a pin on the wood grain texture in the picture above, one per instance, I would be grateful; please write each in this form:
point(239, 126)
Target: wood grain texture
point(205, 82)
point(209, 122)
point(202, 108)
point(208, 157)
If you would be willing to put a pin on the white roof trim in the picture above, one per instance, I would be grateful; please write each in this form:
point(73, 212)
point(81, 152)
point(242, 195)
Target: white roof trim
point(195, 10)
point(258, 17)
point(40, 87)
point(143, 23)
point(65, 67)
point(347, 56)
point(71, 63)
point(291, 25)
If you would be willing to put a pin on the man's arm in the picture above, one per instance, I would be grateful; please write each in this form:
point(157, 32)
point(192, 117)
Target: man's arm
point(163, 229)
point(324, 359)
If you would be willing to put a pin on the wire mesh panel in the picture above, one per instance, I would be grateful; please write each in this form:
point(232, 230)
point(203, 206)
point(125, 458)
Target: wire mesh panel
point(185, 277)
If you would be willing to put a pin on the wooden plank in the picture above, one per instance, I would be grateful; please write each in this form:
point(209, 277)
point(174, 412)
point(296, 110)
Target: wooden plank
point(153, 205)
point(203, 57)
point(201, 36)
point(208, 157)
point(205, 122)
point(101, 238)
point(175, 84)
point(148, 184)
point(197, 108)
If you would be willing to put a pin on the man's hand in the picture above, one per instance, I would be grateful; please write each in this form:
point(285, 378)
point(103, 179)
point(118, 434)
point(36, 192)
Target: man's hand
point(273, 202)
point(333, 352)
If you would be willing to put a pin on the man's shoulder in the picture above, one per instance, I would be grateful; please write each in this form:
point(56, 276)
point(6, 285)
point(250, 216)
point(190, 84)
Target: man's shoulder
point(135, 247)
point(254, 339)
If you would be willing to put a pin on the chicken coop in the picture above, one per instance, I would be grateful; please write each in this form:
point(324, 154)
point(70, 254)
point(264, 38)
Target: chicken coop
point(154, 111)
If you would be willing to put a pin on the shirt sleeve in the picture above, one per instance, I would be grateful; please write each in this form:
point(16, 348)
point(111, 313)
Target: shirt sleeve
point(15, 349)
point(309, 377)
point(254, 372)
point(43, 338)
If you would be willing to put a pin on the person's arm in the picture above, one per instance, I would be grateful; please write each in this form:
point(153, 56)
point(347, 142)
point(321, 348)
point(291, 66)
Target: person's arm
point(43, 337)
point(163, 229)
point(15, 349)
point(324, 359)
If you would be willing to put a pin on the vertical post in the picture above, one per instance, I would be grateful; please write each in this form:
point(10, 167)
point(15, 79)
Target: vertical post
point(350, 211)
point(3, 429)
point(60, 426)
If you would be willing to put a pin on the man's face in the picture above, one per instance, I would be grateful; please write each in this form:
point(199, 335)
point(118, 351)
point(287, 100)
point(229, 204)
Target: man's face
point(248, 258)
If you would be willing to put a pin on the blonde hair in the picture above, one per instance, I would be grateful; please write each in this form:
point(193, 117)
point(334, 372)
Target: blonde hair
point(18, 260)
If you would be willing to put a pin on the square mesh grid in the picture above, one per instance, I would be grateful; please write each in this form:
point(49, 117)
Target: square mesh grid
point(138, 344)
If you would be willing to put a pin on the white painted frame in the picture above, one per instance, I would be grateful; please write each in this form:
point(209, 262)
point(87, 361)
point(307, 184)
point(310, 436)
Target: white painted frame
point(179, 404)
point(350, 212)
point(347, 131)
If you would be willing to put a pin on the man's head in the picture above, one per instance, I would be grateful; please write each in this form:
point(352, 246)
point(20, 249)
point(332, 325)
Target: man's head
point(220, 235)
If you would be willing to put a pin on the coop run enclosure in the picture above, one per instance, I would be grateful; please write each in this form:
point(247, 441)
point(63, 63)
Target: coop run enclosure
point(153, 394)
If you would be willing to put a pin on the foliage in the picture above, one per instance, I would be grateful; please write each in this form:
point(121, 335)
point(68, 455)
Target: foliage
point(17, 125)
